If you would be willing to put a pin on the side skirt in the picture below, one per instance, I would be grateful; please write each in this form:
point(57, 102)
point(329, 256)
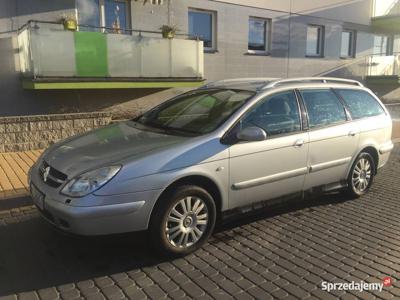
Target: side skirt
point(243, 211)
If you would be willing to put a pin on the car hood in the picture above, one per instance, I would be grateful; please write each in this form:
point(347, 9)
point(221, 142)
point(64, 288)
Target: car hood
point(107, 145)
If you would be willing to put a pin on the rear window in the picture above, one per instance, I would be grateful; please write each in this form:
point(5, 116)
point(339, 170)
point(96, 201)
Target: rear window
point(360, 103)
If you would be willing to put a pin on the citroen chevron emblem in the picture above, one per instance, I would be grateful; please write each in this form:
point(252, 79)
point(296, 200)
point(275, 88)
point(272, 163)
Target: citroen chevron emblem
point(46, 173)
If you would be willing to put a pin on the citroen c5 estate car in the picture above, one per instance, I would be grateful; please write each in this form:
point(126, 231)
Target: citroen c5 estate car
point(226, 147)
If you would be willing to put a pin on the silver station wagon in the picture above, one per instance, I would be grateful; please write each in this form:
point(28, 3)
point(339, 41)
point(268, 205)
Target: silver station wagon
point(229, 146)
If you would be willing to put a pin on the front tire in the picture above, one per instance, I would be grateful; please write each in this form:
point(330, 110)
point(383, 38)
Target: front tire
point(361, 175)
point(182, 221)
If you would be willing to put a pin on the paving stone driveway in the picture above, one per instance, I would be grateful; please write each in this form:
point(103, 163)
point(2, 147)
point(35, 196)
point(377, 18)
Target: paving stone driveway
point(283, 254)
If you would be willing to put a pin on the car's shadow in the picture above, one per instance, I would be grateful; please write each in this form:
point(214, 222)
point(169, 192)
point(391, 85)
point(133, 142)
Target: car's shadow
point(33, 255)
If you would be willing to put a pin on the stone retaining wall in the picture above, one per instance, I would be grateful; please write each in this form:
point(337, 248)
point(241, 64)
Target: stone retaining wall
point(38, 132)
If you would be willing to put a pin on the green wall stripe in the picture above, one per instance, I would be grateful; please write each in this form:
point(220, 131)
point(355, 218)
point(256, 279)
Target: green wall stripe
point(91, 54)
point(30, 85)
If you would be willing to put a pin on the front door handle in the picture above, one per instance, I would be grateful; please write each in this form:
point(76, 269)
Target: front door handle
point(299, 143)
point(352, 133)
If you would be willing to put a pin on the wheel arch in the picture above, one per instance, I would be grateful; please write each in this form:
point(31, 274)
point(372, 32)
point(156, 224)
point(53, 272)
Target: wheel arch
point(370, 149)
point(375, 155)
point(199, 180)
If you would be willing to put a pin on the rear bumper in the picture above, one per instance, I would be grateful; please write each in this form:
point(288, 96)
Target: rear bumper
point(384, 153)
point(387, 147)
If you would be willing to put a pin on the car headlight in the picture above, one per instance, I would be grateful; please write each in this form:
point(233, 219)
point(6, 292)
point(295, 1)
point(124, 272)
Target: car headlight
point(89, 182)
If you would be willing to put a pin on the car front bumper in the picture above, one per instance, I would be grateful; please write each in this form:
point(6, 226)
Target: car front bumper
point(124, 213)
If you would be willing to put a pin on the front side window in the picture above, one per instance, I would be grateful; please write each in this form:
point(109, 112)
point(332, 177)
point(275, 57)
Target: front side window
point(315, 40)
point(323, 108)
point(277, 114)
point(110, 15)
point(198, 112)
point(202, 26)
point(360, 103)
point(259, 35)
point(348, 45)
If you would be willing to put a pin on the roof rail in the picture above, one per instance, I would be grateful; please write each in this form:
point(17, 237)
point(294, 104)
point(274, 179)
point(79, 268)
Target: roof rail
point(255, 80)
point(311, 79)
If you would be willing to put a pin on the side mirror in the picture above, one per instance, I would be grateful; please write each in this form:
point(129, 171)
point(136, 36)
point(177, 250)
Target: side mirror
point(252, 134)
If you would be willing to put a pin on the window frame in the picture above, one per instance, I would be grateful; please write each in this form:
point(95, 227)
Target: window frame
point(320, 41)
point(352, 44)
point(213, 15)
point(340, 100)
point(387, 51)
point(267, 36)
point(102, 17)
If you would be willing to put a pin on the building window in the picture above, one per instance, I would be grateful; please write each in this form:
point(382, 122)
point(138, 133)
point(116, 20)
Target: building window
point(104, 15)
point(315, 40)
point(202, 26)
point(348, 44)
point(381, 45)
point(259, 35)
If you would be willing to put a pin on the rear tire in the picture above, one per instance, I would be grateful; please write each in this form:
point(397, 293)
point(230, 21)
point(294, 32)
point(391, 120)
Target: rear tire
point(182, 221)
point(361, 175)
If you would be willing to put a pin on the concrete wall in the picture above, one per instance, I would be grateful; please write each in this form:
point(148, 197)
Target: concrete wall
point(354, 11)
point(287, 58)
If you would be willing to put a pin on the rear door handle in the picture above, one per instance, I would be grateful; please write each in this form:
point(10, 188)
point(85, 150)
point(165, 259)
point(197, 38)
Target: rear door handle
point(299, 143)
point(352, 133)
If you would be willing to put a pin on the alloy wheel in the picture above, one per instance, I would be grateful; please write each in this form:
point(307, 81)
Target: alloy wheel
point(186, 222)
point(361, 177)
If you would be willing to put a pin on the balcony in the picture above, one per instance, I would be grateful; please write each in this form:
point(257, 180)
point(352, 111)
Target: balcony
point(383, 69)
point(54, 58)
point(386, 16)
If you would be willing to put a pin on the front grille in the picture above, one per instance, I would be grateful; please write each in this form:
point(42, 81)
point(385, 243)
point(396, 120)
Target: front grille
point(51, 176)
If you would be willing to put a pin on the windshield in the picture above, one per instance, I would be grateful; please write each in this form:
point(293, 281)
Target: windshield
point(197, 112)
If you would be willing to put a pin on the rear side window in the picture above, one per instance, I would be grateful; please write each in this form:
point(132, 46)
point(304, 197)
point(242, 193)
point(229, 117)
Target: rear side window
point(323, 107)
point(360, 103)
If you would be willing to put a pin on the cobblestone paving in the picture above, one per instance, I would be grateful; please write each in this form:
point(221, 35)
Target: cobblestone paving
point(282, 254)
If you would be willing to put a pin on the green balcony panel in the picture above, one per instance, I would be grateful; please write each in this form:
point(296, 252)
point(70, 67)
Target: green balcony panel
point(91, 54)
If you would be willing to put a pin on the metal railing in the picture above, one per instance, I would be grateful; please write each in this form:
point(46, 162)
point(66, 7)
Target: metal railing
point(383, 65)
point(104, 29)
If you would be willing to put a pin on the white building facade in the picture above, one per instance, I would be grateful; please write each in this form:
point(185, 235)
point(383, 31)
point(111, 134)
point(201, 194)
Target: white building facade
point(117, 60)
